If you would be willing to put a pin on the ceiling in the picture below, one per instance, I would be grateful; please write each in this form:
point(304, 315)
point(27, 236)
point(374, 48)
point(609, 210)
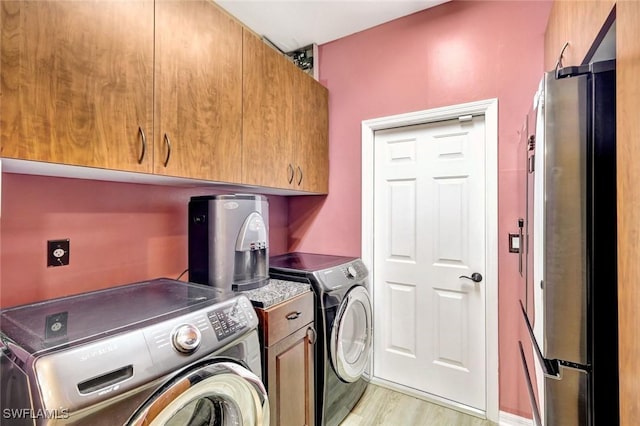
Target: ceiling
point(292, 24)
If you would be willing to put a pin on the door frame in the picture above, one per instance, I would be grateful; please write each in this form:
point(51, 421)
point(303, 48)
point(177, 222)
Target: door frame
point(488, 108)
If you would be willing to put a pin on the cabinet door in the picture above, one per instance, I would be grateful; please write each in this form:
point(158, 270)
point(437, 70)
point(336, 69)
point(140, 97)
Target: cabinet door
point(267, 115)
point(311, 134)
point(290, 380)
point(77, 82)
point(198, 91)
point(576, 22)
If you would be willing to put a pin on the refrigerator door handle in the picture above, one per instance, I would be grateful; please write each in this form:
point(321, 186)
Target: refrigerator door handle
point(550, 368)
point(537, 421)
point(574, 366)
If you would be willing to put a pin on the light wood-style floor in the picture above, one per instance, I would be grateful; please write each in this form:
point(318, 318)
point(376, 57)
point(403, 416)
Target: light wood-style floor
point(382, 406)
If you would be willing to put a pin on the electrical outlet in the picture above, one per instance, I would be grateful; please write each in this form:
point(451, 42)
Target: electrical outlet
point(58, 252)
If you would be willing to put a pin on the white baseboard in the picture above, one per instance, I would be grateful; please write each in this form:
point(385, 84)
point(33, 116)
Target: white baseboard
point(508, 419)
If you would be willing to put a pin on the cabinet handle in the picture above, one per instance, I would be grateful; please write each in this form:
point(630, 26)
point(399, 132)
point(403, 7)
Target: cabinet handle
point(293, 315)
point(143, 139)
point(168, 143)
point(291, 173)
point(300, 180)
point(312, 335)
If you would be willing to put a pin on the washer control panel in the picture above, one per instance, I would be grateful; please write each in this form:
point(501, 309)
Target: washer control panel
point(171, 344)
point(228, 320)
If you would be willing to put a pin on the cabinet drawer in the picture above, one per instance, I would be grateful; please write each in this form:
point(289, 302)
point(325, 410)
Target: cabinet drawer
point(283, 319)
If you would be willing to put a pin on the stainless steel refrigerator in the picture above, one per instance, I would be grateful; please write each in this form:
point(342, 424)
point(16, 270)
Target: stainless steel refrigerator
point(573, 322)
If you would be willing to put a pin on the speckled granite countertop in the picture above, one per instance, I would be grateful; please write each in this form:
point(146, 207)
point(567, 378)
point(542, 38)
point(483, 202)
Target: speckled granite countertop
point(275, 292)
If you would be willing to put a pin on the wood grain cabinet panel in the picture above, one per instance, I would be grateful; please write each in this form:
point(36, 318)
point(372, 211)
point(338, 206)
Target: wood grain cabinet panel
point(311, 134)
point(285, 122)
point(77, 82)
point(577, 22)
point(267, 114)
point(288, 337)
point(175, 88)
point(283, 319)
point(628, 173)
point(198, 109)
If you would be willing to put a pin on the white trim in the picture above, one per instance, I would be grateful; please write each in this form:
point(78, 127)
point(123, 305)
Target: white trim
point(488, 108)
point(508, 419)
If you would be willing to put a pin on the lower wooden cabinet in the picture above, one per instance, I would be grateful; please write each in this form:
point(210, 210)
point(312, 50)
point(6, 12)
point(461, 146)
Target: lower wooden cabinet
point(289, 336)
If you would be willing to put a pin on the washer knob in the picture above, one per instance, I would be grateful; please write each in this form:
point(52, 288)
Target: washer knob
point(351, 272)
point(186, 338)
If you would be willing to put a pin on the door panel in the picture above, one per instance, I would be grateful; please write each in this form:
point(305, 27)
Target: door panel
point(401, 300)
point(402, 215)
point(198, 108)
point(429, 227)
point(451, 221)
point(450, 319)
point(77, 82)
point(267, 115)
point(311, 134)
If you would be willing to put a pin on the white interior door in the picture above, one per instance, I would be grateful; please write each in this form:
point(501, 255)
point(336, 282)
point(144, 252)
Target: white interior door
point(429, 228)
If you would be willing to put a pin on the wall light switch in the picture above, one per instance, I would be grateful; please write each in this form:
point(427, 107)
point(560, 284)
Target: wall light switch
point(58, 252)
point(514, 243)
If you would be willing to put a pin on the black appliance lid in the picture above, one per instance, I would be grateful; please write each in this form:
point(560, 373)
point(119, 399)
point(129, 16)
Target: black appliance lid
point(307, 262)
point(87, 316)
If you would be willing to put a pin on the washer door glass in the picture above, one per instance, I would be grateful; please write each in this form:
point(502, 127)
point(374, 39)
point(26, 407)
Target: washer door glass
point(351, 335)
point(213, 393)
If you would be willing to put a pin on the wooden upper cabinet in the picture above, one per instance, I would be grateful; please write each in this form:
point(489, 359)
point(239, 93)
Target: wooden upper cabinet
point(576, 22)
point(77, 82)
point(176, 88)
point(198, 106)
point(267, 112)
point(285, 122)
point(311, 135)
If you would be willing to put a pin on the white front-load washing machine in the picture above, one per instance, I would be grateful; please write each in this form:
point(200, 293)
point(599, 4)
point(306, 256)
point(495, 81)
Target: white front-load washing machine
point(159, 352)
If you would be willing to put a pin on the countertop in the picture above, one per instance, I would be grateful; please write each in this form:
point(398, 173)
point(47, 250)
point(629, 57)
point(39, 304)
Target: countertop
point(275, 292)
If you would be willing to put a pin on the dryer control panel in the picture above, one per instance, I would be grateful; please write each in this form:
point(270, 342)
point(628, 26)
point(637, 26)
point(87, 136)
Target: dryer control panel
point(344, 275)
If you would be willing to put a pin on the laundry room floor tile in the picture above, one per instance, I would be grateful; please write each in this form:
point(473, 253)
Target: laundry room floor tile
point(382, 406)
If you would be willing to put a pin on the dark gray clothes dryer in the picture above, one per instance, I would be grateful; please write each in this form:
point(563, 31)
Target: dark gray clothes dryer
point(344, 323)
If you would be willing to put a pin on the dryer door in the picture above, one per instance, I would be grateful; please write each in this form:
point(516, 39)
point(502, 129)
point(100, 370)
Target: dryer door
point(214, 392)
point(351, 335)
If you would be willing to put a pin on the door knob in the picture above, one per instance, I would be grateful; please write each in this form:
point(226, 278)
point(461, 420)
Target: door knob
point(475, 277)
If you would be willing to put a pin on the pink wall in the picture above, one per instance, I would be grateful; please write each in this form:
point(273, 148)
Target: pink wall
point(120, 233)
point(454, 53)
